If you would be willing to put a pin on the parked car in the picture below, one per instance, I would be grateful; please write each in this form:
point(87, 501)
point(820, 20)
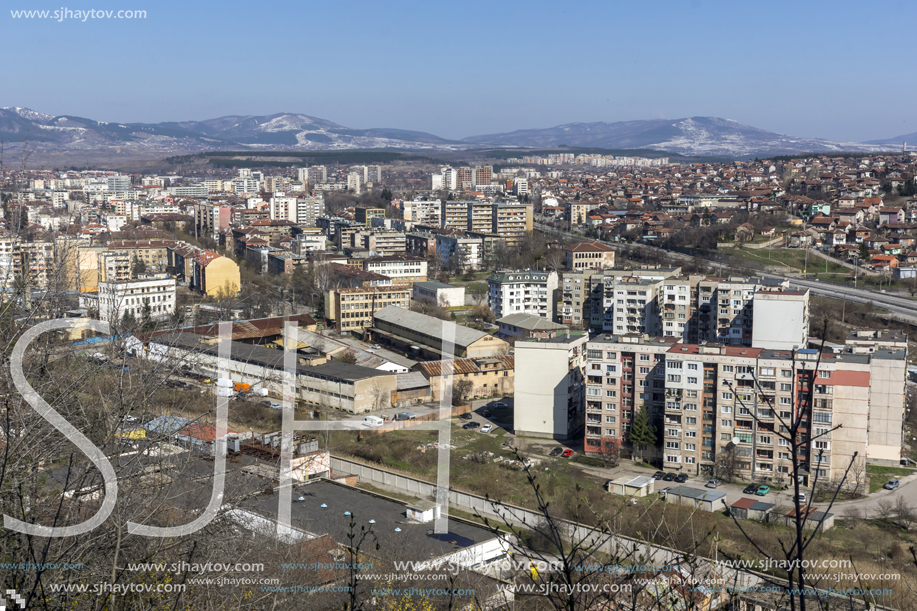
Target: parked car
point(750, 489)
point(658, 474)
point(668, 477)
point(664, 491)
point(801, 497)
point(681, 478)
point(711, 484)
point(567, 453)
point(276, 406)
point(486, 413)
point(487, 428)
point(892, 484)
point(472, 425)
point(500, 405)
point(465, 416)
point(376, 346)
point(763, 490)
point(556, 452)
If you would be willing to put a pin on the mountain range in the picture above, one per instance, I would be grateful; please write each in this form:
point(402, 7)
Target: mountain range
point(705, 136)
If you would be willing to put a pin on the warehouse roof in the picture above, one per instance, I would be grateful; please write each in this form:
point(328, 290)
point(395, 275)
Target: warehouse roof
point(428, 325)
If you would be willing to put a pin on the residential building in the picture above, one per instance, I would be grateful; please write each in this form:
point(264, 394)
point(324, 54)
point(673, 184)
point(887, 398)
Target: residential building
point(353, 308)
point(624, 373)
point(423, 212)
point(780, 319)
point(460, 253)
point(528, 291)
point(214, 274)
point(364, 216)
point(589, 255)
point(549, 386)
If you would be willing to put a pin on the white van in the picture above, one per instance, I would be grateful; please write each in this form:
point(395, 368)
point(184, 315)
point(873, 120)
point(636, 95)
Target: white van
point(372, 421)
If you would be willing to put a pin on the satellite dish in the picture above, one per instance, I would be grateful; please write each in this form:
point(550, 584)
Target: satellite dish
point(736, 440)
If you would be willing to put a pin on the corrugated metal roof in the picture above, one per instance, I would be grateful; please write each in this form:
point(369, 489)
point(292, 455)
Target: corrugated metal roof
point(411, 379)
point(462, 366)
point(428, 325)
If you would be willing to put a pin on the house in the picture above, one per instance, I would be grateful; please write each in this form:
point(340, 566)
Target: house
point(642, 485)
point(800, 239)
point(850, 215)
point(890, 216)
point(589, 255)
point(835, 237)
point(884, 261)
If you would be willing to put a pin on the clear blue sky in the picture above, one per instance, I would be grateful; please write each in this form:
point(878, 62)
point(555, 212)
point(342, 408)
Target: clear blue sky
point(837, 70)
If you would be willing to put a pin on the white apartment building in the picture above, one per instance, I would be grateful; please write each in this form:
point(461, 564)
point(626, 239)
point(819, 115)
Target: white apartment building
point(132, 297)
point(402, 269)
point(549, 386)
point(424, 212)
point(460, 253)
point(528, 292)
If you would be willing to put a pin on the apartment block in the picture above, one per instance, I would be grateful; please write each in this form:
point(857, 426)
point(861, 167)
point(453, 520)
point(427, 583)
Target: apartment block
point(549, 386)
point(460, 253)
point(581, 299)
point(724, 410)
point(353, 308)
point(528, 292)
point(622, 374)
point(365, 216)
point(509, 221)
point(424, 212)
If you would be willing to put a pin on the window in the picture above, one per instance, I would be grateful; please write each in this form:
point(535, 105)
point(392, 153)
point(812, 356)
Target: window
point(690, 407)
point(644, 357)
point(610, 419)
point(786, 401)
point(765, 439)
point(821, 417)
point(787, 415)
point(726, 423)
point(822, 445)
point(786, 373)
point(673, 378)
point(767, 371)
point(824, 373)
point(644, 370)
point(692, 380)
point(611, 368)
point(610, 355)
point(691, 394)
point(594, 354)
point(594, 392)
point(783, 442)
point(671, 458)
point(726, 409)
point(725, 437)
point(673, 364)
point(611, 393)
point(610, 433)
point(671, 432)
point(672, 445)
point(785, 387)
point(692, 366)
point(690, 420)
point(611, 406)
point(689, 460)
point(727, 368)
point(726, 396)
point(691, 434)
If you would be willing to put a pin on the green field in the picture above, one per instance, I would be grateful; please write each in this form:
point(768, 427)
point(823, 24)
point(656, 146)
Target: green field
point(879, 476)
point(792, 258)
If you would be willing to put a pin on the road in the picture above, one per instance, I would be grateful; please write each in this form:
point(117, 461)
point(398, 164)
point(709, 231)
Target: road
point(902, 307)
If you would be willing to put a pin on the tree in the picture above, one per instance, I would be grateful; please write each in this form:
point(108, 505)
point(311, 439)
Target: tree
point(863, 253)
point(609, 452)
point(137, 266)
point(461, 390)
point(484, 313)
point(348, 356)
point(642, 433)
point(478, 293)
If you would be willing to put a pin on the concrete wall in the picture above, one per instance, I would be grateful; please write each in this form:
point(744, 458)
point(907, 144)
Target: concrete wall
point(886, 409)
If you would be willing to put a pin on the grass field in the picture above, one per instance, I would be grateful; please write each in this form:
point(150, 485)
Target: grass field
point(792, 258)
point(879, 476)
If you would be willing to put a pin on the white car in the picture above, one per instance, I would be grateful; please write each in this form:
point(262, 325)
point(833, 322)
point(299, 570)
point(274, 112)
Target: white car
point(487, 428)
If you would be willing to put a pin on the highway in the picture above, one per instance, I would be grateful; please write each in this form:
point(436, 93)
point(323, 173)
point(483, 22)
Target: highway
point(903, 308)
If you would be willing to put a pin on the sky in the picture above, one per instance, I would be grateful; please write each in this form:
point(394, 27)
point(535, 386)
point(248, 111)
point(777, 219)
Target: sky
point(836, 70)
